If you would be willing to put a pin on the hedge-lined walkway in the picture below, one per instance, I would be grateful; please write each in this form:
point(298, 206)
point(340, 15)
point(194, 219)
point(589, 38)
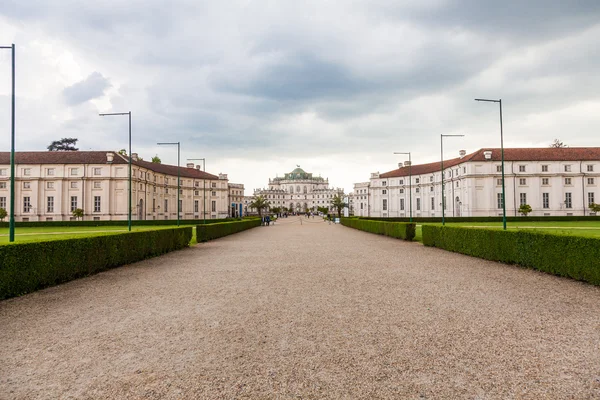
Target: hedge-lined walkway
point(305, 311)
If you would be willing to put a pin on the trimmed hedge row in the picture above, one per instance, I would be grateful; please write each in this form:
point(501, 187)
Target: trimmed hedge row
point(485, 219)
point(208, 232)
point(26, 267)
point(145, 222)
point(575, 257)
point(399, 230)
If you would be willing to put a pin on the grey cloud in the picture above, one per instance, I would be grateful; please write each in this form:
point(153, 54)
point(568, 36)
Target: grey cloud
point(91, 87)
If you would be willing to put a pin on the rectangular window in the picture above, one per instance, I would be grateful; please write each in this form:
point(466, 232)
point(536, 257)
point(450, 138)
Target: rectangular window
point(590, 181)
point(401, 191)
point(166, 205)
point(402, 181)
point(26, 171)
point(196, 184)
point(457, 183)
point(153, 205)
point(196, 192)
point(544, 168)
point(499, 182)
point(74, 171)
point(418, 204)
point(73, 203)
point(214, 206)
point(213, 184)
point(545, 181)
point(417, 190)
point(195, 206)
point(545, 200)
point(431, 179)
point(50, 171)
point(567, 181)
point(384, 191)
point(26, 185)
point(522, 198)
point(73, 185)
point(590, 168)
point(180, 205)
point(97, 185)
point(214, 193)
point(97, 203)
point(431, 189)
point(567, 168)
point(417, 180)
point(3, 172)
point(401, 204)
point(3, 202)
point(97, 171)
point(591, 198)
point(49, 185)
point(2, 185)
point(521, 168)
point(384, 183)
point(499, 168)
point(50, 204)
point(432, 204)
point(26, 204)
point(522, 181)
point(384, 204)
point(499, 199)
point(568, 200)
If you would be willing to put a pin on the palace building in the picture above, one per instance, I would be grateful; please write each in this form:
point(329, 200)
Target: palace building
point(299, 191)
point(553, 181)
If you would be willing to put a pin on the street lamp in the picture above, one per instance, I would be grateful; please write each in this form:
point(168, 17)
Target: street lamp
point(409, 182)
point(203, 184)
point(499, 101)
point(130, 187)
point(178, 173)
point(11, 226)
point(442, 136)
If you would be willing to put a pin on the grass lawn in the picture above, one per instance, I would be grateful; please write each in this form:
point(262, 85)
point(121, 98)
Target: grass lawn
point(69, 232)
point(578, 228)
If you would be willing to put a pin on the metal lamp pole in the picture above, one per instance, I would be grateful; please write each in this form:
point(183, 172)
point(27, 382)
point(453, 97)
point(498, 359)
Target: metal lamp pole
point(130, 187)
point(204, 184)
point(443, 194)
point(11, 224)
point(409, 182)
point(178, 173)
point(499, 101)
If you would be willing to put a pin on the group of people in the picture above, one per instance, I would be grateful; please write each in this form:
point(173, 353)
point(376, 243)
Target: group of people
point(266, 220)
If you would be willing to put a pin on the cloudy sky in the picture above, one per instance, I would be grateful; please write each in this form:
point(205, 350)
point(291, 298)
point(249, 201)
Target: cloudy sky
point(257, 87)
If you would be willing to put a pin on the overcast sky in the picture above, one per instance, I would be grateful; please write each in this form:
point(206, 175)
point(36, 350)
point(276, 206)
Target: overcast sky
point(257, 87)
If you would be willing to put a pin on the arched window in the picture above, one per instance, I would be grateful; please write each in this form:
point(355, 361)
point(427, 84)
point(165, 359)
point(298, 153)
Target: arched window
point(305, 190)
point(298, 189)
point(291, 189)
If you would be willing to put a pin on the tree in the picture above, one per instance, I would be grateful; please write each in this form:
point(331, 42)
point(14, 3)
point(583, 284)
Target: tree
point(78, 213)
point(276, 210)
point(338, 203)
point(3, 214)
point(323, 210)
point(64, 144)
point(595, 207)
point(122, 152)
point(156, 159)
point(558, 144)
point(525, 209)
point(259, 203)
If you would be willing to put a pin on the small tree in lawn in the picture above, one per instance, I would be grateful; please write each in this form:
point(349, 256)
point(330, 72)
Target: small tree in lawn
point(595, 207)
point(78, 213)
point(525, 209)
point(338, 204)
point(259, 203)
point(3, 214)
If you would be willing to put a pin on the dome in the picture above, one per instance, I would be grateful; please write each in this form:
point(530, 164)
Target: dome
point(298, 171)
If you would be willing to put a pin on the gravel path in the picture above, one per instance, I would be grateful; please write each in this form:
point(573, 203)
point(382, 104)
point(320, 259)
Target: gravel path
point(307, 311)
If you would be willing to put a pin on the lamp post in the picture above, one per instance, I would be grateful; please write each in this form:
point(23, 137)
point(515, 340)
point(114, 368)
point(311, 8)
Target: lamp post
point(499, 101)
point(178, 173)
point(11, 226)
point(409, 181)
point(442, 136)
point(203, 184)
point(130, 187)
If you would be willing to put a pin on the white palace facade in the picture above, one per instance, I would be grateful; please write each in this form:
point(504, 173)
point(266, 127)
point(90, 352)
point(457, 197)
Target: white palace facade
point(553, 181)
point(298, 191)
point(50, 185)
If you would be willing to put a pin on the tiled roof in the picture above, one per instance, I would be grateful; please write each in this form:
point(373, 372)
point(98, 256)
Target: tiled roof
point(521, 154)
point(97, 157)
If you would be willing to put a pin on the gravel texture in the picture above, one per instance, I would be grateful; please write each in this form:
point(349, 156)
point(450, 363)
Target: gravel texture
point(307, 311)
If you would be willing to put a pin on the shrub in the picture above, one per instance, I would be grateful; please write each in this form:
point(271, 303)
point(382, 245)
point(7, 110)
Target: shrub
point(576, 257)
point(399, 230)
point(26, 267)
point(208, 232)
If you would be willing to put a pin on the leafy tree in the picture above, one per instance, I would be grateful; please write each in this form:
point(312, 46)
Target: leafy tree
point(558, 144)
point(276, 210)
point(64, 144)
point(78, 213)
point(3, 214)
point(594, 207)
point(323, 210)
point(525, 209)
point(259, 203)
point(156, 159)
point(338, 203)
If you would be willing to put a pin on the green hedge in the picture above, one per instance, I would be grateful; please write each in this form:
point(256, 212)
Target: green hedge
point(485, 219)
point(399, 230)
point(145, 222)
point(26, 267)
point(208, 232)
point(576, 257)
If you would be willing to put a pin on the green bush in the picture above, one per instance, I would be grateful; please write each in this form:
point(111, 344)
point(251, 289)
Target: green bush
point(575, 257)
point(208, 232)
point(399, 230)
point(26, 267)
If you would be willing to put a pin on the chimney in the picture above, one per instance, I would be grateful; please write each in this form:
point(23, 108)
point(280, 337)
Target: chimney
point(189, 165)
point(399, 165)
point(407, 163)
point(462, 153)
point(198, 167)
point(110, 157)
point(134, 156)
point(487, 155)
